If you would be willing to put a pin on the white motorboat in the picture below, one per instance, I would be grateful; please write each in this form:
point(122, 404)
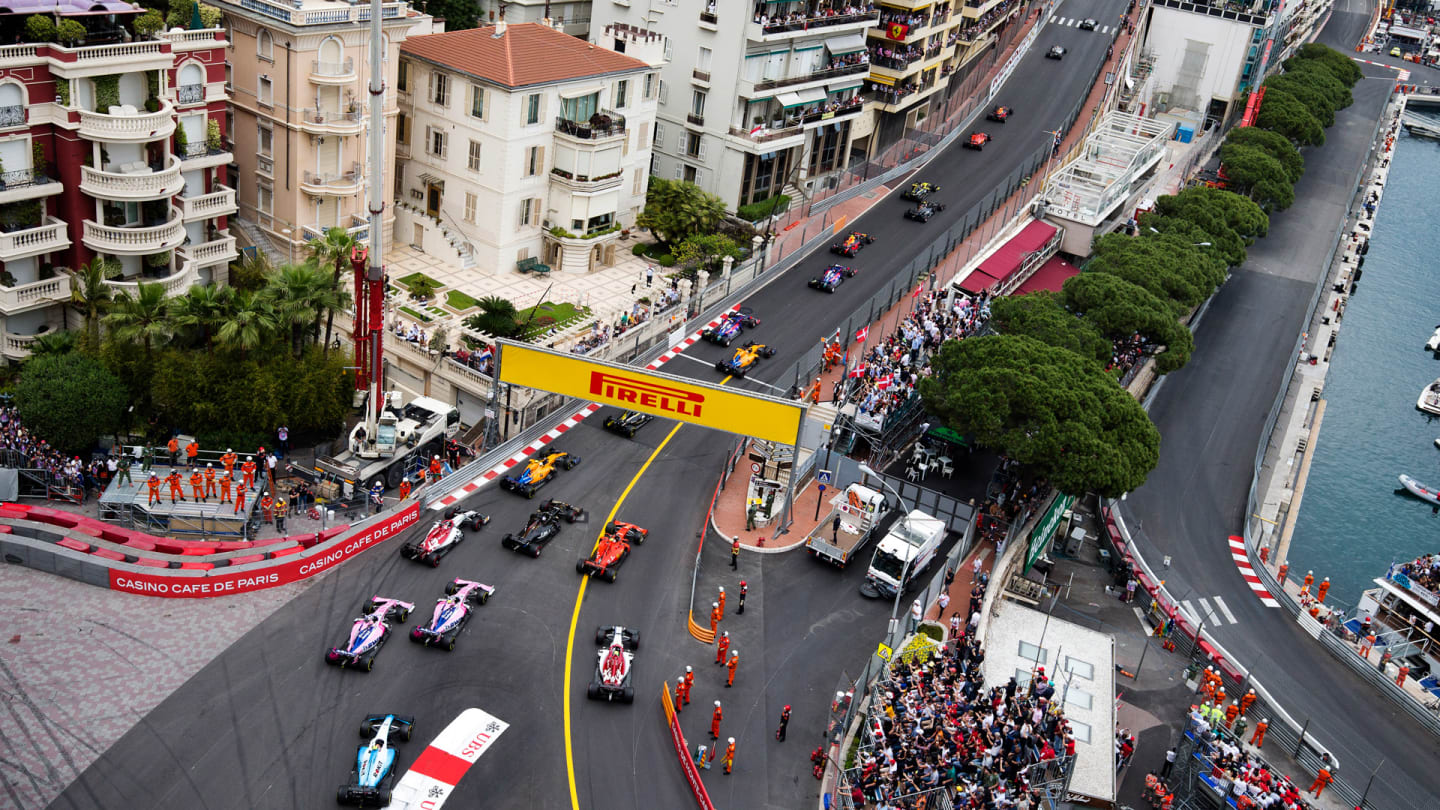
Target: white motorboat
point(1433, 344)
point(1419, 490)
point(1429, 400)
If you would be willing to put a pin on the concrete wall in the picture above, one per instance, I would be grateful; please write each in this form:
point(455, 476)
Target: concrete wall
point(1226, 44)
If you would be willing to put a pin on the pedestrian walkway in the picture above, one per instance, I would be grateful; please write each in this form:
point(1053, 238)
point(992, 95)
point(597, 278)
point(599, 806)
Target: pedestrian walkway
point(1211, 610)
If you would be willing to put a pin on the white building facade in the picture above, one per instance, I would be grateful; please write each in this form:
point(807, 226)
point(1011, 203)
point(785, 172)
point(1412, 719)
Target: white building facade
point(523, 143)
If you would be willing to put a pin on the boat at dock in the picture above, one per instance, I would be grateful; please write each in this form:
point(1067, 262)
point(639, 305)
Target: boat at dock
point(1419, 490)
point(1433, 344)
point(1429, 400)
point(1422, 127)
point(1404, 609)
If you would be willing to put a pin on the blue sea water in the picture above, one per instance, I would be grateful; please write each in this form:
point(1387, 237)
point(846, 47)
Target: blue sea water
point(1351, 524)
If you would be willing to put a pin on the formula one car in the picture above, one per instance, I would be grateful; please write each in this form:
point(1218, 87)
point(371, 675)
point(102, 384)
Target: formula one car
point(443, 537)
point(1055, 52)
point(923, 211)
point(373, 774)
point(744, 359)
point(538, 472)
point(852, 244)
point(919, 191)
point(541, 527)
point(977, 141)
point(831, 278)
point(369, 633)
point(612, 551)
point(627, 423)
point(1087, 24)
point(612, 670)
point(729, 327)
point(998, 114)
point(452, 613)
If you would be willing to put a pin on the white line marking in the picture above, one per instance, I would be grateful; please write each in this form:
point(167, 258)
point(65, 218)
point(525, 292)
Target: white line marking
point(1220, 603)
point(1053, 18)
point(1214, 619)
point(1140, 617)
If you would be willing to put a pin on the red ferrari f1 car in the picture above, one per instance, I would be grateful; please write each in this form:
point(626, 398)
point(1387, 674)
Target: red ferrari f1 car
point(612, 550)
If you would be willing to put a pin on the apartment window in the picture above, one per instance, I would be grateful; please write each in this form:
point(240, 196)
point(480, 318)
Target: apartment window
point(532, 108)
point(702, 61)
point(402, 129)
point(697, 103)
point(470, 201)
point(693, 145)
point(435, 141)
point(264, 197)
point(535, 161)
point(640, 140)
point(622, 94)
point(474, 160)
point(580, 108)
point(692, 175)
point(664, 93)
point(264, 92)
point(477, 102)
point(637, 184)
point(649, 85)
point(659, 134)
point(440, 89)
point(529, 211)
point(266, 139)
point(402, 79)
point(265, 46)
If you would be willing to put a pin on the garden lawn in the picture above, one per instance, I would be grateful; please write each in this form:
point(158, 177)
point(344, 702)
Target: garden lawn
point(409, 280)
point(459, 301)
point(548, 314)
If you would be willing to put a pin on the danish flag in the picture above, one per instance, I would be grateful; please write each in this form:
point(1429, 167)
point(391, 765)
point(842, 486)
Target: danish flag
point(862, 333)
point(859, 371)
point(883, 383)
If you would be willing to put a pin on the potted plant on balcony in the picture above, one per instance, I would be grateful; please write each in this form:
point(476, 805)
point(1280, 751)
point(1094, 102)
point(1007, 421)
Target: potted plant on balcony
point(212, 135)
point(70, 32)
point(148, 24)
point(182, 141)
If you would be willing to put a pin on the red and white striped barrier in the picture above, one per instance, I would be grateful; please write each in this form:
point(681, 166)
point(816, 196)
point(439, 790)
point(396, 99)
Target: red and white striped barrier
point(439, 768)
point(1242, 561)
point(559, 430)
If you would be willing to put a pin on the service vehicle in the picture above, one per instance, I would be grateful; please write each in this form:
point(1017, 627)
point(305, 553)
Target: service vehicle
point(922, 212)
point(1396, 52)
point(1055, 52)
point(744, 359)
point(452, 613)
point(373, 775)
point(538, 472)
point(402, 437)
point(627, 423)
point(369, 632)
point(1000, 113)
point(1087, 24)
point(977, 141)
point(903, 553)
point(541, 527)
point(859, 509)
point(730, 326)
point(444, 536)
point(851, 244)
point(612, 679)
point(612, 550)
point(919, 191)
point(832, 278)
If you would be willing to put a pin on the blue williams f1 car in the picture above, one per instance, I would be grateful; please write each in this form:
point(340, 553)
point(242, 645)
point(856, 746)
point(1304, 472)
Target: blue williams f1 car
point(373, 775)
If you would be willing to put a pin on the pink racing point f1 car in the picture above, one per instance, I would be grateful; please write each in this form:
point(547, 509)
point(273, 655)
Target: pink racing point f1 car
point(452, 613)
point(369, 633)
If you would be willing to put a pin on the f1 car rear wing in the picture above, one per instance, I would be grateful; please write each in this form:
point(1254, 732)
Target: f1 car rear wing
point(439, 768)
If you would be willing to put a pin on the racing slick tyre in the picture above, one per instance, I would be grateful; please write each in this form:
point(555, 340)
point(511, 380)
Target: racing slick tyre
point(407, 730)
point(367, 729)
point(508, 541)
point(530, 493)
point(417, 636)
point(342, 796)
point(384, 798)
point(434, 563)
point(600, 636)
point(449, 514)
point(535, 552)
point(369, 664)
point(451, 589)
point(592, 691)
point(632, 640)
point(570, 462)
point(474, 524)
point(404, 614)
point(630, 433)
point(609, 575)
point(484, 597)
point(332, 657)
point(450, 645)
point(627, 695)
point(720, 365)
point(580, 566)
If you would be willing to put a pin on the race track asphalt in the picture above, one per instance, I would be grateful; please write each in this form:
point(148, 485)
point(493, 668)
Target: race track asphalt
point(1211, 415)
point(269, 725)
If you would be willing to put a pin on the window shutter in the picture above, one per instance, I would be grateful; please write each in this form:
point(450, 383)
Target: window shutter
point(680, 143)
point(679, 171)
point(702, 148)
point(535, 211)
point(625, 144)
point(540, 160)
point(641, 144)
point(659, 134)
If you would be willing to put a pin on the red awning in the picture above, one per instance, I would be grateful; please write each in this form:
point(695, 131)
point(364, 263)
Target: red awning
point(1005, 261)
point(978, 281)
point(1050, 276)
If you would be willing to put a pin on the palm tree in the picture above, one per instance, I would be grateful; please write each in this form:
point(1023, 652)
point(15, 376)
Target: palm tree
point(143, 316)
point(298, 295)
point(90, 293)
point(250, 322)
point(55, 343)
point(333, 251)
point(201, 310)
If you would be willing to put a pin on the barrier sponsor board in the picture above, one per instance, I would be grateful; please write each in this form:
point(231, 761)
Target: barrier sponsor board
point(223, 581)
point(652, 392)
point(692, 774)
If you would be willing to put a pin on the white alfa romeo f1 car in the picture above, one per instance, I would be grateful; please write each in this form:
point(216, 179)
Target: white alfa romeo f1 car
point(612, 669)
point(443, 537)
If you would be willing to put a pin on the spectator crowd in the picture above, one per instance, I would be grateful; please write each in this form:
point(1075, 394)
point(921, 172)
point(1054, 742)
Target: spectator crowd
point(814, 14)
point(21, 449)
point(1245, 776)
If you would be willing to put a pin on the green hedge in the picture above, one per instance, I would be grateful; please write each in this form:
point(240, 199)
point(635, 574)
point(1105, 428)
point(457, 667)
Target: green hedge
point(764, 208)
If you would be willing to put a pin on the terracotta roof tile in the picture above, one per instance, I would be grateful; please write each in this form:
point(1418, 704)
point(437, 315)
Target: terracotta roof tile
point(526, 54)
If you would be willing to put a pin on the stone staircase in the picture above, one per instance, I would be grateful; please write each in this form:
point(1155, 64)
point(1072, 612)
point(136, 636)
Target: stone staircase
point(464, 251)
point(252, 235)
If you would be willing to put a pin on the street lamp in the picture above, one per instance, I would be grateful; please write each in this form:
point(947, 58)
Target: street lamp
point(904, 521)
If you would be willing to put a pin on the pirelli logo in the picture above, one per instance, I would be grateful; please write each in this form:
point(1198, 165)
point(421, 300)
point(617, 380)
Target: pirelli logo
point(646, 394)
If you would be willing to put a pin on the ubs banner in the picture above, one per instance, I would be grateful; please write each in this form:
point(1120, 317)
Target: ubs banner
point(224, 581)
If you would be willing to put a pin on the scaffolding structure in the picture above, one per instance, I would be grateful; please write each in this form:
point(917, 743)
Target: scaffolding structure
point(1122, 149)
point(128, 505)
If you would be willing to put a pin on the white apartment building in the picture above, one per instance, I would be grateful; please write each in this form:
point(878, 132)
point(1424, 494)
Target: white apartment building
point(753, 99)
point(570, 16)
point(521, 142)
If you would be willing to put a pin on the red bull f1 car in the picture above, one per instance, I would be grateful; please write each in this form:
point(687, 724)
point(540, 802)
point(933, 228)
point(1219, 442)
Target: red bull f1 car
point(1000, 113)
point(373, 775)
point(744, 359)
point(832, 278)
point(443, 537)
point(919, 191)
point(612, 550)
point(452, 613)
point(538, 472)
point(612, 679)
point(729, 327)
point(369, 633)
point(542, 527)
point(627, 423)
point(852, 243)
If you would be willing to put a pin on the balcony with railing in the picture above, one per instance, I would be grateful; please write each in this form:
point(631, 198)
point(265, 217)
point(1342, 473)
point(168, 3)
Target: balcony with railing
point(602, 125)
point(133, 181)
point(192, 40)
point(359, 228)
point(325, 122)
point(585, 182)
point(127, 124)
point(203, 155)
point(135, 240)
point(25, 296)
point(176, 283)
point(50, 235)
point(220, 250)
point(333, 184)
point(323, 72)
point(218, 203)
point(186, 94)
point(827, 73)
point(295, 14)
point(27, 184)
point(121, 57)
point(896, 59)
point(12, 116)
point(791, 25)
